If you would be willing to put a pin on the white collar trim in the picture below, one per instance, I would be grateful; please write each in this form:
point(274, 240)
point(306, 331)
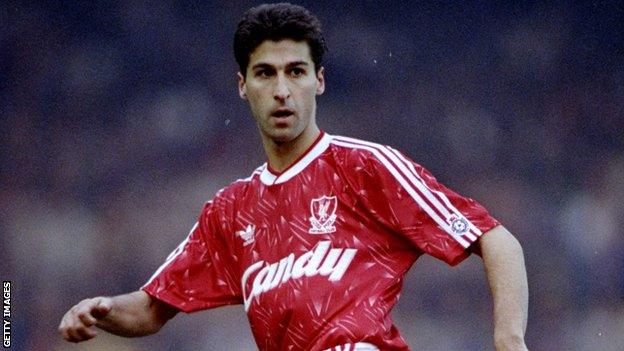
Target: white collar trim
point(269, 178)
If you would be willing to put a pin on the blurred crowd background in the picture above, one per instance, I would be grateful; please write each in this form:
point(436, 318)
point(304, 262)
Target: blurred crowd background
point(119, 119)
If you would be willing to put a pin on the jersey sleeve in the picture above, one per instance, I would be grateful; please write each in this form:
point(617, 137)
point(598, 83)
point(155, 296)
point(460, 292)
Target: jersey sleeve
point(199, 273)
point(406, 197)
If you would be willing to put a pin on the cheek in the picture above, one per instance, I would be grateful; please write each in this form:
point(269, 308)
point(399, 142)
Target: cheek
point(256, 99)
point(307, 91)
point(313, 87)
point(309, 96)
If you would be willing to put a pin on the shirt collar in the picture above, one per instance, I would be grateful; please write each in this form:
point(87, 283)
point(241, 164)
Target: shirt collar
point(315, 150)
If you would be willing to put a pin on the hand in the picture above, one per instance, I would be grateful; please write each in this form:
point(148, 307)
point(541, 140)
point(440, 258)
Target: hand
point(77, 323)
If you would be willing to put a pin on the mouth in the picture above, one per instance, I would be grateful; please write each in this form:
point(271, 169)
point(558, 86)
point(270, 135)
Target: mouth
point(282, 113)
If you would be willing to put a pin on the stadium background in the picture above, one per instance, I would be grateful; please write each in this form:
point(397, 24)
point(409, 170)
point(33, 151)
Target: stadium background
point(118, 120)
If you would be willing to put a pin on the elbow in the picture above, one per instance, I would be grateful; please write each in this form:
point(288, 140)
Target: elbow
point(141, 329)
point(153, 328)
point(159, 314)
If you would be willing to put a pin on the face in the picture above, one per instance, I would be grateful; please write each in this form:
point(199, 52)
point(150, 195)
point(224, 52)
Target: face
point(281, 86)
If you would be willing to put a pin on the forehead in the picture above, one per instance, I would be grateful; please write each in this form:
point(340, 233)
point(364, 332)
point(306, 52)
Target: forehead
point(280, 53)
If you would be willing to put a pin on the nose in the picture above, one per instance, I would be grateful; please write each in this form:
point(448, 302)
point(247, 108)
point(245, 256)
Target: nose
point(282, 91)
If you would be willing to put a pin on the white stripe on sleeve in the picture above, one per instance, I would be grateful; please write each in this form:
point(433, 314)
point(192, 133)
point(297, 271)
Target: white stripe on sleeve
point(407, 186)
point(408, 169)
point(440, 194)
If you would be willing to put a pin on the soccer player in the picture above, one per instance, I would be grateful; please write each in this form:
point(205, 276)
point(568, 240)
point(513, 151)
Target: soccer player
point(314, 243)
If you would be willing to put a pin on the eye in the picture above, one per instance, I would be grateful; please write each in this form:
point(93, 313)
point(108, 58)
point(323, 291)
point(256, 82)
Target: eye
point(264, 73)
point(297, 71)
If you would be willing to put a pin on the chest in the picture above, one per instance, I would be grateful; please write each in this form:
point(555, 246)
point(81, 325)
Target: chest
point(309, 246)
point(272, 222)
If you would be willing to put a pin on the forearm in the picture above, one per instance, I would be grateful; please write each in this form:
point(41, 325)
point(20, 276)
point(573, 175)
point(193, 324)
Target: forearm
point(134, 314)
point(504, 266)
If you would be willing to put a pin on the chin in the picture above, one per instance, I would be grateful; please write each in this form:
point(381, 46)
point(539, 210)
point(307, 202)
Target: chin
point(279, 139)
point(282, 135)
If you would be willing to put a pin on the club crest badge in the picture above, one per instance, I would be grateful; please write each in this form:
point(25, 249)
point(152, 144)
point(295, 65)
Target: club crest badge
point(323, 211)
point(458, 225)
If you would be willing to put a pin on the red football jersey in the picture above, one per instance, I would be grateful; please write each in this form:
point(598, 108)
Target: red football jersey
point(318, 252)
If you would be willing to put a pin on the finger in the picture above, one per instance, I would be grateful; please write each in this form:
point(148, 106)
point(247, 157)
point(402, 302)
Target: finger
point(87, 319)
point(80, 334)
point(71, 324)
point(63, 326)
point(102, 308)
point(73, 336)
point(84, 308)
point(70, 321)
point(84, 304)
point(63, 331)
point(86, 333)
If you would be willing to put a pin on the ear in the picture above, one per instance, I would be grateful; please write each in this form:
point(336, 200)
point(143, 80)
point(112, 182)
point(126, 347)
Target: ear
point(320, 77)
point(242, 87)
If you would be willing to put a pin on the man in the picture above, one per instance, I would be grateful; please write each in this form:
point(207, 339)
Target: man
point(315, 243)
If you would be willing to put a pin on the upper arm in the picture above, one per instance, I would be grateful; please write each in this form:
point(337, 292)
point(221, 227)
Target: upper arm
point(496, 239)
point(408, 199)
point(198, 274)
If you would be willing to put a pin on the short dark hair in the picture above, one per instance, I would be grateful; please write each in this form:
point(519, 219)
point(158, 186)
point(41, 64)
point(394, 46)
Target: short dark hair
point(276, 22)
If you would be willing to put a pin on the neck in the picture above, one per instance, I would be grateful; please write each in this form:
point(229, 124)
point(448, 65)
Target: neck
point(282, 154)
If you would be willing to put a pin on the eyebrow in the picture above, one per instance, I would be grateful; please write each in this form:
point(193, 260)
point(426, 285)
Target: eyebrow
point(289, 65)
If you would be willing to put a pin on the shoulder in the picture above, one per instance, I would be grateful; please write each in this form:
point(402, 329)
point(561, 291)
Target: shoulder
point(353, 149)
point(226, 197)
point(358, 152)
point(220, 211)
point(373, 162)
point(240, 185)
